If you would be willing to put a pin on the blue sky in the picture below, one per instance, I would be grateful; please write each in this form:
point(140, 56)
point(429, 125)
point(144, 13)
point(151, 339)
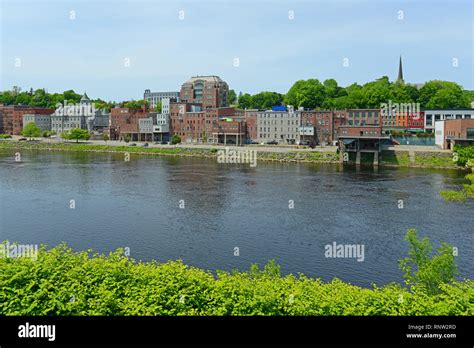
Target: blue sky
point(88, 52)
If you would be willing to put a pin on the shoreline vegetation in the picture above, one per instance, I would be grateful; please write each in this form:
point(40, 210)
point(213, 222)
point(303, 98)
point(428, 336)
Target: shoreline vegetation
point(435, 160)
point(60, 281)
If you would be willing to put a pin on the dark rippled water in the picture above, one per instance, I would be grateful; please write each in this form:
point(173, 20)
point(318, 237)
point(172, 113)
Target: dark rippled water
point(136, 204)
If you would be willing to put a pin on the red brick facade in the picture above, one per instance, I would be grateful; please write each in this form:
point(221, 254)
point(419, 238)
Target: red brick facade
point(250, 117)
point(210, 91)
point(193, 124)
point(124, 121)
point(12, 117)
point(458, 132)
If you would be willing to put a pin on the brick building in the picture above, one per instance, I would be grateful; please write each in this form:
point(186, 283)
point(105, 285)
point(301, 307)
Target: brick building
point(229, 131)
point(362, 117)
point(195, 124)
point(125, 121)
point(409, 121)
point(250, 117)
point(322, 123)
point(210, 91)
point(449, 133)
point(12, 117)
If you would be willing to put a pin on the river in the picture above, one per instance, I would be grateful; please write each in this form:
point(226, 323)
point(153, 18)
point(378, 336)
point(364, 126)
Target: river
point(228, 216)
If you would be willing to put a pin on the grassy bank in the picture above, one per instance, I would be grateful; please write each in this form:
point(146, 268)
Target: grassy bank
point(317, 157)
point(63, 282)
point(388, 158)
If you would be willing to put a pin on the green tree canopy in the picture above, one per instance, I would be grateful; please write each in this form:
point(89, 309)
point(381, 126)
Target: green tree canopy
point(306, 93)
point(420, 269)
point(31, 130)
point(78, 134)
point(232, 97)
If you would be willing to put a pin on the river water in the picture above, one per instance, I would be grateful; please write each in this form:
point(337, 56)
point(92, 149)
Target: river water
point(200, 211)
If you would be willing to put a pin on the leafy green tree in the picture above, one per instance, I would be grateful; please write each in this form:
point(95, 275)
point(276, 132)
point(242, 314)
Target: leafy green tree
point(265, 100)
point(446, 98)
point(306, 93)
point(135, 104)
point(423, 270)
point(105, 137)
point(442, 94)
point(468, 189)
point(158, 107)
point(245, 101)
point(79, 134)
point(127, 138)
point(175, 139)
point(232, 97)
point(31, 130)
point(65, 135)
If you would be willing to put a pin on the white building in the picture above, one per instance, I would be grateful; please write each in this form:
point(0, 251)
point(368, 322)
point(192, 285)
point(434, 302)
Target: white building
point(154, 98)
point(280, 126)
point(434, 115)
point(82, 115)
point(439, 133)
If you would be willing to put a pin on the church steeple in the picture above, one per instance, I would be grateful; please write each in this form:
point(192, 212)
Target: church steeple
point(400, 71)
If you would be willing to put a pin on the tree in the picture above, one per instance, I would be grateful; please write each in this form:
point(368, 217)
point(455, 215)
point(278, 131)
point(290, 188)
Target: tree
point(135, 104)
point(65, 135)
point(127, 138)
point(265, 100)
point(424, 271)
point(232, 97)
point(158, 107)
point(105, 137)
point(245, 101)
point(79, 134)
point(175, 139)
point(468, 189)
point(306, 93)
point(442, 94)
point(31, 130)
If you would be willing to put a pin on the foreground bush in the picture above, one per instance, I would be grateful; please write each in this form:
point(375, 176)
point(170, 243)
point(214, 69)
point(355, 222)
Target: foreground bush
point(63, 282)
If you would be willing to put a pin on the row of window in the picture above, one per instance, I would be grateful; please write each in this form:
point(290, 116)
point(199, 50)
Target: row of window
point(66, 125)
point(360, 123)
point(282, 136)
point(272, 122)
point(276, 129)
point(363, 113)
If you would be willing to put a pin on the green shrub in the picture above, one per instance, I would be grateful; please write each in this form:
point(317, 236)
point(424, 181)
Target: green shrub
point(64, 282)
point(175, 139)
point(463, 154)
point(424, 271)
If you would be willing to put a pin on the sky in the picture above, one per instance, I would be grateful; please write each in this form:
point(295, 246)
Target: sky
point(115, 50)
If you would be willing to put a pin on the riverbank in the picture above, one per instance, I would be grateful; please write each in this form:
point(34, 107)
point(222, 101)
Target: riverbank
point(389, 158)
point(61, 281)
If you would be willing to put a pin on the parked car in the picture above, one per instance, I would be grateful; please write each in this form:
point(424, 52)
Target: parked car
point(272, 142)
point(250, 142)
point(132, 144)
point(145, 145)
point(22, 139)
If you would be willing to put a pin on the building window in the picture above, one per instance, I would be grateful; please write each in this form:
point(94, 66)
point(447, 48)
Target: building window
point(470, 133)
